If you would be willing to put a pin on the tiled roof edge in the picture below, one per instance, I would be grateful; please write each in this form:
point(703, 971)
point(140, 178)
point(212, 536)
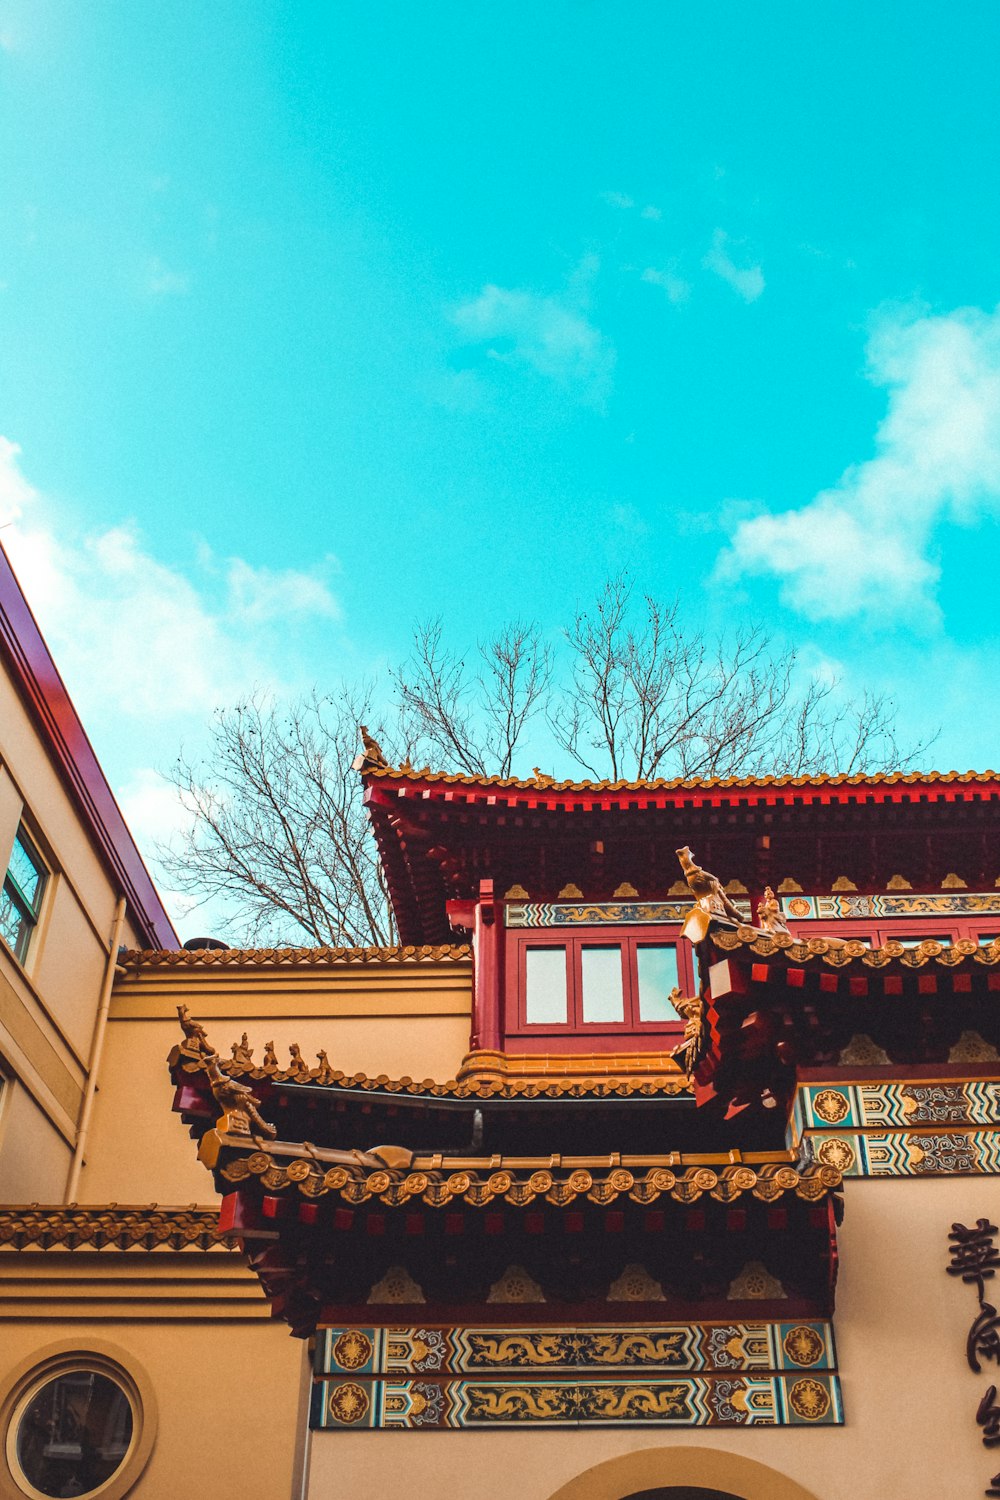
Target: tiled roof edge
point(112, 1226)
point(677, 783)
point(663, 1083)
point(290, 958)
point(358, 1185)
point(840, 952)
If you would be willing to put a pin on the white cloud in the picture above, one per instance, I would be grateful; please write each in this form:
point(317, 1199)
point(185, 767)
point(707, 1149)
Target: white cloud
point(262, 594)
point(652, 212)
point(550, 334)
point(747, 281)
point(161, 281)
point(139, 639)
point(676, 288)
point(618, 200)
point(863, 547)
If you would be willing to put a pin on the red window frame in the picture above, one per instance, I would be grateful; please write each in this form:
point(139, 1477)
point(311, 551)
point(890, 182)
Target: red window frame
point(575, 1028)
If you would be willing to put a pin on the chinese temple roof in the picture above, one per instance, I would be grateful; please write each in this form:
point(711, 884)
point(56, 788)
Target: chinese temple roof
point(291, 958)
point(646, 1074)
point(840, 953)
point(438, 1181)
point(929, 782)
point(113, 1226)
point(440, 836)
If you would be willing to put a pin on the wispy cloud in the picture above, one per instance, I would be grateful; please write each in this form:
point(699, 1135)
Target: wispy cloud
point(746, 281)
point(863, 547)
point(140, 639)
point(675, 287)
point(552, 335)
point(161, 281)
point(652, 212)
point(618, 200)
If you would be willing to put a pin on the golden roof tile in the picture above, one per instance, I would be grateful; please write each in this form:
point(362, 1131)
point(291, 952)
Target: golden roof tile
point(111, 1226)
point(838, 952)
point(560, 1181)
point(656, 1075)
point(266, 958)
point(677, 783)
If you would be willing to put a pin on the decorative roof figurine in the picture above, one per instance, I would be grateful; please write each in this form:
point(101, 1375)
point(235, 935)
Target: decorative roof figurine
point(769, 914)
point(710, 900)
point(195, 1042)
point(241, 1052)
point(372, 759)
point(237, 1102)
point(693, 1012)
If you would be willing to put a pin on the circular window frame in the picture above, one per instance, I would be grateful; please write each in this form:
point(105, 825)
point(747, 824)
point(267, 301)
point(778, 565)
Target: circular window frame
point(34, 1373)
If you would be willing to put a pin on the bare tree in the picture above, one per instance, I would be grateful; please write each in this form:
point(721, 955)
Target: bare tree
point(279, 835)
point(648, 696)
point(472, 720)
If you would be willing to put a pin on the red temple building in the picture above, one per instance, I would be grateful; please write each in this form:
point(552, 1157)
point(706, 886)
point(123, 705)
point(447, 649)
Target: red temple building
point(622, 1210)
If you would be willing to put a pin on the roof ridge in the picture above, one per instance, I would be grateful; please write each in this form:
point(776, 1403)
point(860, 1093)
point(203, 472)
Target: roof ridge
point(134, 958)
point(551, 784)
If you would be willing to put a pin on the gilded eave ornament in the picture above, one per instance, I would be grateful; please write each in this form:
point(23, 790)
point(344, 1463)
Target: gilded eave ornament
point(710, 899)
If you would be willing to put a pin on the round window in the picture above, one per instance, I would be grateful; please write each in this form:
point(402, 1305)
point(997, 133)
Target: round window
point(72, 1433)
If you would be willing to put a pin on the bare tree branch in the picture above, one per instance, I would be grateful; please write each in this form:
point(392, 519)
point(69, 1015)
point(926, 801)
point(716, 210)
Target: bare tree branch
point(279, 833)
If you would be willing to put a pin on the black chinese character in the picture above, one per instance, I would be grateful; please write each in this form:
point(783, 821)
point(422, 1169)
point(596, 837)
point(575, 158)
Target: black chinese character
point(974, 1256)
point(994, 1488)
point(988, 1417)
point(984, 1337)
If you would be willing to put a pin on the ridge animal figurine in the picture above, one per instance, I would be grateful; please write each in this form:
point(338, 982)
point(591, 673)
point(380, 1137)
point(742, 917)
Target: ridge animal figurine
point(692, 1011)
point(241, 1052)
point(710, 900)
point(237, 1102)
point(769, 914)
point(195, 1041)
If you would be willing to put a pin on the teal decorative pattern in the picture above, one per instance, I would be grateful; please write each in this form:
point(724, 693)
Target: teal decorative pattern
point(882, 1106)
point(903, 1153)
point(611, 913)
point(892, 904)
point(718, 1347)
point(693, 1401)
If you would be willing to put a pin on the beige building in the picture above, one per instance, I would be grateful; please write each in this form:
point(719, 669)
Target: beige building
point(536, 1233)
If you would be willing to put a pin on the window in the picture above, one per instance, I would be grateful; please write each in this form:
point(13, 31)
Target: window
point(72, 1434)
point(75, 1422)
point(589, 985)
point(21, 898)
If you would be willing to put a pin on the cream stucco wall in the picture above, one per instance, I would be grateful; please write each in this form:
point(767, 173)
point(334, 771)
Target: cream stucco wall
point(228, 1397)
point(48, 1005)
point(399, 1019)
point(909, 1397)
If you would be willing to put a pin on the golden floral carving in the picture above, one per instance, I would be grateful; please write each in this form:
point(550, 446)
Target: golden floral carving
point(809, 1399)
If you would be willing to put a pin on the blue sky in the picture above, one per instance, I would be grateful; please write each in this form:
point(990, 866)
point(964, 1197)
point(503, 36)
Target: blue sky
point(316, 318)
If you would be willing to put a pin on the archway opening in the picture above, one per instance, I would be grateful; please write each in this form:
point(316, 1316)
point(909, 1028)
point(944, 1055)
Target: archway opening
point(682, 1492)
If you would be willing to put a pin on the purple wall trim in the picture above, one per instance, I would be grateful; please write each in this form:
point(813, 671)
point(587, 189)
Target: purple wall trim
point(45, 696)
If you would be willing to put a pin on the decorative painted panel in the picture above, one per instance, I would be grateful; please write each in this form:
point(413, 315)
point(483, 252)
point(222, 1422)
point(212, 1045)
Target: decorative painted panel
point(892, 904)
point(611, 913)
point(884, 1105)
point(906, 1153)
point(900, 1129)
point(694, 1401)
point(671, 1346)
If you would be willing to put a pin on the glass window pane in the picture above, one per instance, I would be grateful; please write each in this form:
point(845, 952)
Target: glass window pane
point(603, 998)
point(928, 937)
point(657, 977)
point(15, 926)
point(27, 870)
point(74, 1434)
point(545, 986)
